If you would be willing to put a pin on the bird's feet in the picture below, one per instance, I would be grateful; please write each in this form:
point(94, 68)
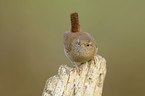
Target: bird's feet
point(94, 59)
point(78, 69)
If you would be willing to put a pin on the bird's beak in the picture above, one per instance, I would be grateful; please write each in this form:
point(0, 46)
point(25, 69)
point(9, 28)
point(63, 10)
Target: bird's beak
point(83, 44)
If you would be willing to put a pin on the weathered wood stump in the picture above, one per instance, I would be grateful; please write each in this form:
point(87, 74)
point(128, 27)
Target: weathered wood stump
point(69, 83)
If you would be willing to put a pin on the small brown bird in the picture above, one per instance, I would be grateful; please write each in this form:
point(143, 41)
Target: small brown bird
point(79, 46)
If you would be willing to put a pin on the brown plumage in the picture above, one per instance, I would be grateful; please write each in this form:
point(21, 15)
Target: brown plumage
point(75, 24)
point(79, 46)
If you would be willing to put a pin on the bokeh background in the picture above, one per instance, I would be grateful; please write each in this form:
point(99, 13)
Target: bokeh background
point(31, 43)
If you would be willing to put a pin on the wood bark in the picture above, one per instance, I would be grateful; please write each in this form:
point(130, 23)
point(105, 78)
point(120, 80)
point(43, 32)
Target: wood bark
point(69, 83)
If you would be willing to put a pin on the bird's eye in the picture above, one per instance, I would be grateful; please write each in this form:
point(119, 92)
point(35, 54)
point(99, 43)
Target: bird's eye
point(78, 43)
point(88, 45)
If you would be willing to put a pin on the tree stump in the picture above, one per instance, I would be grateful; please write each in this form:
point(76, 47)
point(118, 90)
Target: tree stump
point(69, 83)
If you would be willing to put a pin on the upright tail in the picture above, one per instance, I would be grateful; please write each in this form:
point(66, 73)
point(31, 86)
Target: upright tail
point(75, 24)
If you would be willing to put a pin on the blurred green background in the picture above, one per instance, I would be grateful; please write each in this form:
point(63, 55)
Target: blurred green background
point(31, 43)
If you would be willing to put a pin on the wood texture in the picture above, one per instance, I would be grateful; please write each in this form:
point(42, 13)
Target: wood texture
point(69, 83)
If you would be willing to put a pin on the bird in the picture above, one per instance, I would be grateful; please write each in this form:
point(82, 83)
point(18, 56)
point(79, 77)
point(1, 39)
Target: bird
point(79, 47)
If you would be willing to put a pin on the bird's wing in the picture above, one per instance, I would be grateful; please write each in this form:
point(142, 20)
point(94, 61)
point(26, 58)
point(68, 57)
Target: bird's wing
point(67, 42)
